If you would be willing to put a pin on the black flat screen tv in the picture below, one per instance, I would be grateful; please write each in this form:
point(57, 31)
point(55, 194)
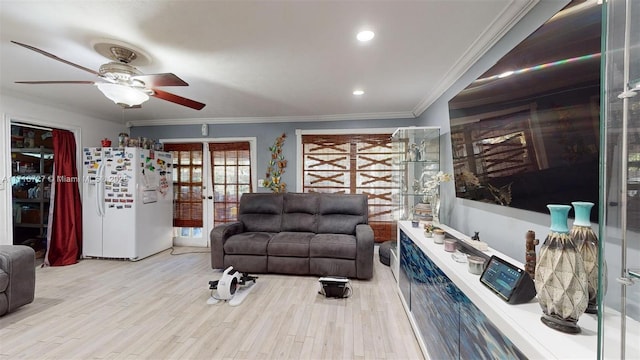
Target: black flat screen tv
point(526, 133)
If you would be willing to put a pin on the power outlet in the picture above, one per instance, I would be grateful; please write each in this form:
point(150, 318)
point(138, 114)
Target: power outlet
point(260, 183)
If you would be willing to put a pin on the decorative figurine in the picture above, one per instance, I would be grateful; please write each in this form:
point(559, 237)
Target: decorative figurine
point(123, 139)
point(530, 255)
point(476, 236)
point(411, 153)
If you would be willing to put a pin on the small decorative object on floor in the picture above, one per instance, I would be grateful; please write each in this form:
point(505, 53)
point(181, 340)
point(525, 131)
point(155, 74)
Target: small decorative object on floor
point(277, 163)
point(335, 287)
point(384, 251)
point(586, 242)
point(233, 287)
point(530, 255)
point(560, 278)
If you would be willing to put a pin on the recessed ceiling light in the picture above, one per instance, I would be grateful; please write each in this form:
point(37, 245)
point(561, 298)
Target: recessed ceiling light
point(358, 92)
point(365, 35)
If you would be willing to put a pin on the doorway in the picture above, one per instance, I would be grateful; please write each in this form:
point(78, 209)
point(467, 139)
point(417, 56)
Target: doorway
point(31, 171)
point(209, 176)
point(30, 202)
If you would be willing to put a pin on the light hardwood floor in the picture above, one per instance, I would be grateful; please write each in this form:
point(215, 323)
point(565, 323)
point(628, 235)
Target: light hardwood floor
point(156, 309)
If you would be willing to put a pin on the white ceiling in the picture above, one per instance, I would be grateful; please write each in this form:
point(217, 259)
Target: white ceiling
point(261, 60)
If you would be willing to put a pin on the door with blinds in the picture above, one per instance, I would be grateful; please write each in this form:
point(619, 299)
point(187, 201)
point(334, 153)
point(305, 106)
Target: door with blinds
point(354, 164)
point(209, 179)
point(231, 177)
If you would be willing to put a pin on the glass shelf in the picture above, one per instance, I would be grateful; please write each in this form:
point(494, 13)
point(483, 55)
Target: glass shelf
point(418, 150)
point(620, 180)
point(30, 225)
point(18, 200)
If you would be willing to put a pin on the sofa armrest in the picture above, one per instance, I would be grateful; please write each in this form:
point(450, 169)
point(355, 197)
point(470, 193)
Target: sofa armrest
point(218, 236)
point(18, 262)
point(364, 251)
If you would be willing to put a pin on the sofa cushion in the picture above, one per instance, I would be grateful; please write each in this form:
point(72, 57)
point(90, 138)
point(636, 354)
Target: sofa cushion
point(340, 213)
point(261, 212)
point(340, 246)
point(299, 212)
point(4, 303)
point(4, 281)
point(332, 267)
point(246, 263)
point(248, 243)
point(294, 244)
point(288, 265)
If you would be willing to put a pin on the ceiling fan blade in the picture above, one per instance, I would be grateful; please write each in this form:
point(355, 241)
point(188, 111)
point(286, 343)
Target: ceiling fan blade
point(55, 82)
point(56, 58)
point(165, 79)
point(178, 99)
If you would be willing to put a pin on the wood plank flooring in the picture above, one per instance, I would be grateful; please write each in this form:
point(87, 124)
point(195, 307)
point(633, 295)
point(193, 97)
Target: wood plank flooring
point(156, 309)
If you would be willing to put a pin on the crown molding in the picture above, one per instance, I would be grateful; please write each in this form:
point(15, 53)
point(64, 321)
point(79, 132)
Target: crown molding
point(274, 119)
point(513, 13)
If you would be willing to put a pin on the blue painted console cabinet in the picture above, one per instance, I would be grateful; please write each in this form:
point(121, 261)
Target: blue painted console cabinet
point(450, 325)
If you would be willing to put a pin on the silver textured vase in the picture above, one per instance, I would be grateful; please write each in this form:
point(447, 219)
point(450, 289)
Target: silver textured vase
point(560, 277)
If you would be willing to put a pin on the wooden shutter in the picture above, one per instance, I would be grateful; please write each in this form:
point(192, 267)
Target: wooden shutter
point(354, 164)
point(187, 184)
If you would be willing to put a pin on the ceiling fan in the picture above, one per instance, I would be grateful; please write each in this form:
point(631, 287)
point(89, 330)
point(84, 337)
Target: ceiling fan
point(123, 83)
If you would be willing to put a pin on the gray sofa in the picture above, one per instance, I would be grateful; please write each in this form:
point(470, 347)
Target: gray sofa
point(297, 233)
point(17, 277)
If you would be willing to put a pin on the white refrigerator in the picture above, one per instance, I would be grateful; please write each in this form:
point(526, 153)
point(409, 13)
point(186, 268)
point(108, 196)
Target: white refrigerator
point(127, 206)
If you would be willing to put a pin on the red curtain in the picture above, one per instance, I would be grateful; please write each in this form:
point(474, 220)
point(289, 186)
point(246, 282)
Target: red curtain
point(65, 231)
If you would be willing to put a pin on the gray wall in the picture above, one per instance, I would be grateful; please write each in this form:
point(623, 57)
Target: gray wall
point(265, 134)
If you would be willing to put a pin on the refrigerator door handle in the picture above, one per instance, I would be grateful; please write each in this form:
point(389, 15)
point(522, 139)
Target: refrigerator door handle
point(100, 190)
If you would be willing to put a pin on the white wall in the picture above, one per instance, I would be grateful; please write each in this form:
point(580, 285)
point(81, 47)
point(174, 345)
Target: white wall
point(88, 132)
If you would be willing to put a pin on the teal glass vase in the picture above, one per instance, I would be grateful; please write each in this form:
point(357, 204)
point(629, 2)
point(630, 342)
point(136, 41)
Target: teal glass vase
point(560, 277)
point(586, 242)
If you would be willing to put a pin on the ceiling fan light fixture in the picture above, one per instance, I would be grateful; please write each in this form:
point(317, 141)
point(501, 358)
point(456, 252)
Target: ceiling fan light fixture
point(365, 35)
point(121, 94)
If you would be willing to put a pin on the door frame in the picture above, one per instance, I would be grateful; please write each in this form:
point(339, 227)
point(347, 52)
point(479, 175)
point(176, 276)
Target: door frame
point(207, 206)
point(6, 194)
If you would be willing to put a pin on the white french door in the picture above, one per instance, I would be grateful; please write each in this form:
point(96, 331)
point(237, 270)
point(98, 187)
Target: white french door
point(209, 178)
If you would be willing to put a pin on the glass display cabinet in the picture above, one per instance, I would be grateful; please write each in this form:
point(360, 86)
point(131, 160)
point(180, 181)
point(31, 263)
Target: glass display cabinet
point(620, 178)
point(418, 150)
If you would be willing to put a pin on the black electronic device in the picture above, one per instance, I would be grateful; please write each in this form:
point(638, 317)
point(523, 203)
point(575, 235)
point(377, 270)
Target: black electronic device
point(335, 287)
point(509, 282)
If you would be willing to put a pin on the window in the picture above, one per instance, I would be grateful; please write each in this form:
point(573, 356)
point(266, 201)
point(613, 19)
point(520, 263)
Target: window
point(354, 164)
point(231, 177)
point(187, 184)
point(489, 154)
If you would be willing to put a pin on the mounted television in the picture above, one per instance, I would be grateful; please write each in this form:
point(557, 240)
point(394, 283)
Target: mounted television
point(526, 133)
